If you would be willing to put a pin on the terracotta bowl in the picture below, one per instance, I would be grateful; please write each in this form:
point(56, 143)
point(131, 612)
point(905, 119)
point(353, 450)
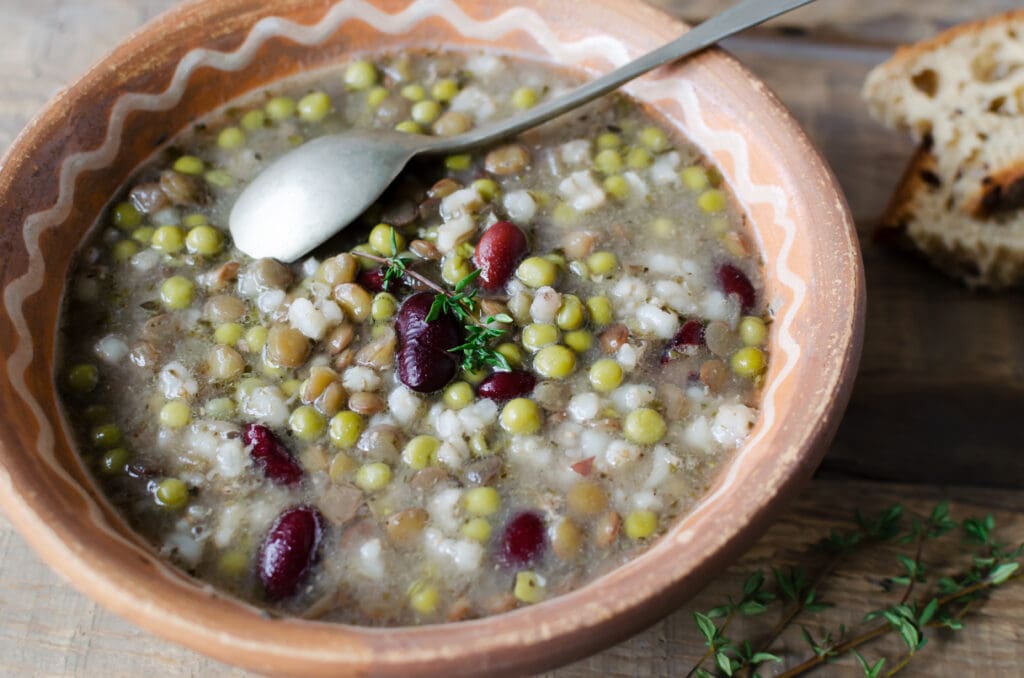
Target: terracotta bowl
point(59, 173)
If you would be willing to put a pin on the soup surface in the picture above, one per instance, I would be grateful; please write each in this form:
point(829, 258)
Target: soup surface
point(510, 379)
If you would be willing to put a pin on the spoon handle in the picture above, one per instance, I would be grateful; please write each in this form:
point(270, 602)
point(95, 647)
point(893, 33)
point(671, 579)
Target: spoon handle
point(739, 17)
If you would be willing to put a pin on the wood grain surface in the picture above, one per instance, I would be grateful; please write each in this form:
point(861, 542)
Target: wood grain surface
point(933, 414)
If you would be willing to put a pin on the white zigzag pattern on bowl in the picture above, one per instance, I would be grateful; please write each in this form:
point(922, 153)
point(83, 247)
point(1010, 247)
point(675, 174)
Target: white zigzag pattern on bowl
point(516, 19)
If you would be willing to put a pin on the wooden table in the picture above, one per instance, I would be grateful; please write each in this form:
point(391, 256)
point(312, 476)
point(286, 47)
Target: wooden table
point(933, 414)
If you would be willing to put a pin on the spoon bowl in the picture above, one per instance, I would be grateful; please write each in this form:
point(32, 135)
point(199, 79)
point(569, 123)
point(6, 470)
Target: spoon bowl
point(304, 197)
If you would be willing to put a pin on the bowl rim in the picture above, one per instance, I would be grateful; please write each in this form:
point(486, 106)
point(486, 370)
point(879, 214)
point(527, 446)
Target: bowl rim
point(561, 629)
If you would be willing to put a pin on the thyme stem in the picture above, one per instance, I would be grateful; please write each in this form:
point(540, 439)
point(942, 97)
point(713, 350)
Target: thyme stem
point(411, 273)
point(883, 629)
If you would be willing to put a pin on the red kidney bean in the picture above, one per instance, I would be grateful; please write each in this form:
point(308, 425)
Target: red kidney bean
point(270, 455)
point(689, 336)
point(501, 248)
point(425, 360)
point(507, 385)
point(735, 281)
point(373, 280)
point(523, 540)
point(288, 551)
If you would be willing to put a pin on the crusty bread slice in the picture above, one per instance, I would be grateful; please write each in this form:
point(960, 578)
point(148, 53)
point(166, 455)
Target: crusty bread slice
point(963, 93)
point(984, 252)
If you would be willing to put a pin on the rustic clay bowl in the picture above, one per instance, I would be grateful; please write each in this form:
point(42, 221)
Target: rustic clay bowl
point(55, 180)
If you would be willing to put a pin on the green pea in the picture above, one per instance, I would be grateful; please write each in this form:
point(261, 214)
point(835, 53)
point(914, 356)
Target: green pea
point(512, 353)
point(481, 501)
point(748, 362)
point(458, 395)
point(414, 92)
point(345, 429)
point(554, 362)
point(521, 416)
point(306, 423)
point(640, 524)
point(114, 461)
point(205, 240)
point(605, 375)
point(639, 158)
point(384, 306)
point(487, 188)
point(564, 215)
point(124, 250)
point(143, 234)
point(570, 315)
point(600, 309)
point(712, 200)
point(528, 587)
point(314, 107)
point(654, 139)
point(189, 164)
point(525, 97)
point(444, 89)
point(753, 331)
point(125, 216)
point(373, 477)
point(455, 268)
point(83, 378)
point(175, 414)
point(168, 239)
point(475, 377)
point(425, 112)
point(579, 340)
point(602, 263)
point(608, 161)
point(171, 493)
point(537, 272)
point(458, 163)
point(219, 178)
point(176, 292)
point(695, 178)
point(424, 598)
point(477, 529)
point(360, 75)
point(254, 120)
point(107, 436)
point(380, 240)
point(231, 138)
point(235, 563)
point(607, 140)
point(376, 96)
point(538, 335)
point(617, 186)
point(409, 127)
point(420, 451)
point(280, 108)
point(644, 426)
point(255, 338)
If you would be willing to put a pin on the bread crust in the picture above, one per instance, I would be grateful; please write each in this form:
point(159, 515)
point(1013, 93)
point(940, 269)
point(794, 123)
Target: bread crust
point(1001, 191)
point(908, 52)
point(983, 253)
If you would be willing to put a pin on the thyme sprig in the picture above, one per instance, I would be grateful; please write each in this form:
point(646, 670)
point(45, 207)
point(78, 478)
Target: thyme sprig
point(481, 333)
point(397, 266)
point(913, 617)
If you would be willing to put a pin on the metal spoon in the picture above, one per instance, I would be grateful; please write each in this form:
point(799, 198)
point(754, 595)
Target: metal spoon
point(311, 193)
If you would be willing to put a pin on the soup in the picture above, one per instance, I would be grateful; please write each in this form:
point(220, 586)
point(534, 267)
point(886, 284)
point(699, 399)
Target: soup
point(508, 379)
